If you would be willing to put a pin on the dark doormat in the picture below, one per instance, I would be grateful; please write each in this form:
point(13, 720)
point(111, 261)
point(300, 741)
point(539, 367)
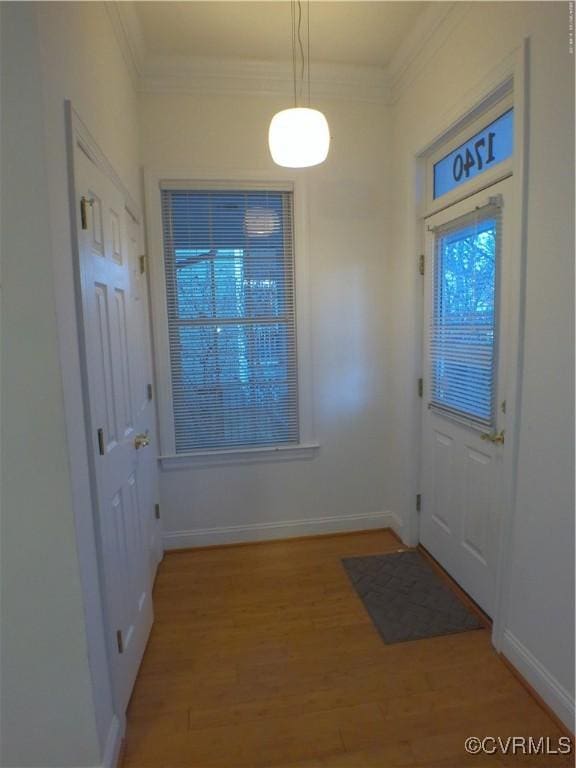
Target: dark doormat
point(405, 597)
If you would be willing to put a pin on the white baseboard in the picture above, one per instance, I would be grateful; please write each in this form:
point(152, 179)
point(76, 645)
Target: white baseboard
point(113, 744)
point(535, 673)
point(285, 529)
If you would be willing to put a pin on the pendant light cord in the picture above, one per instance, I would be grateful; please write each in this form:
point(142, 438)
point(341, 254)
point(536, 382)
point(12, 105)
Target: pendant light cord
point(308, 36)
point(301, 47)
point(298, 48)
point(293, 23)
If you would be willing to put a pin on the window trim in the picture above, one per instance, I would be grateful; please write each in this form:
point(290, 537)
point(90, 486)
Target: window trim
point(154, 181)
point(481, 117)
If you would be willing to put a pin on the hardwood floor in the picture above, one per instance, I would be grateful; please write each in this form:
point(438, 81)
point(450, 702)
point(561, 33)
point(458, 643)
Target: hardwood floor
point(262, 655)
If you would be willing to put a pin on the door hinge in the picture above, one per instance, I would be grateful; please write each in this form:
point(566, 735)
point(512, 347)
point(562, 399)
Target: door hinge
point(84, 203)
point(421, 263)
point(142, 263)
point(100, 434)
point(420, 387)
point(149, 391)
point(119, 641)
point(418, 502)
point(157, 511)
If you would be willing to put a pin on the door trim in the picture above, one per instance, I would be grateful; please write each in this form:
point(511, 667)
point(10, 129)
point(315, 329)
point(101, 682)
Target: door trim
point(514, 68)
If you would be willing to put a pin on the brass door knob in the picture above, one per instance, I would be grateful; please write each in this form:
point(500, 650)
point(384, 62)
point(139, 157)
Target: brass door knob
point(141, 440)
point(493, 437)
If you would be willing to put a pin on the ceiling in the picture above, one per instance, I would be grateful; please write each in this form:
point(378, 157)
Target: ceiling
point(350, 33)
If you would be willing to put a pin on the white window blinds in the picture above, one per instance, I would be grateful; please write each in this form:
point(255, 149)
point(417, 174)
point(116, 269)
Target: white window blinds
point(464, 316)
point(229, 266)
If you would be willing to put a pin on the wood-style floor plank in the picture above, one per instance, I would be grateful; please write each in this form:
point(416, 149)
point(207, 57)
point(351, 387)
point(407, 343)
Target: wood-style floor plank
point(263, 656)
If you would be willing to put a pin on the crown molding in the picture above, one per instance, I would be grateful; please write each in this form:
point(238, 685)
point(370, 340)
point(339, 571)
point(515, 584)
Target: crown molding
point(129, 35)
point(428, 35)
point(153, 73)
point(225, 76)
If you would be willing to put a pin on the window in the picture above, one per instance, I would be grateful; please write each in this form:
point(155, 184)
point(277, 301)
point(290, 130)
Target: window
point(486, 149)
point(229, 270)
point(473, 154)
point(463, 316)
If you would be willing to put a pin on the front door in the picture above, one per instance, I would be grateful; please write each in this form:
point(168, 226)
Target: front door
point(464, 405)
point(120, 415)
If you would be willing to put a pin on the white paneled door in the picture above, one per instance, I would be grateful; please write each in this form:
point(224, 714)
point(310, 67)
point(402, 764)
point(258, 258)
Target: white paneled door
point(121, 416)
point(464, 399)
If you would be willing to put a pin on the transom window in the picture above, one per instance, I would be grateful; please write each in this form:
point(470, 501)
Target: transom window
point(229, 268)
point(486, 149)
point(473, 155)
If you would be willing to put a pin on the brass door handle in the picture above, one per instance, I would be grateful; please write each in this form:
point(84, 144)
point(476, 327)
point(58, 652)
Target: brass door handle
point(493, 437)
point(142, 440)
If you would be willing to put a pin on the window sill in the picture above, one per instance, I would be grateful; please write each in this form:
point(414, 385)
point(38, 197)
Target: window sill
point(302, 451)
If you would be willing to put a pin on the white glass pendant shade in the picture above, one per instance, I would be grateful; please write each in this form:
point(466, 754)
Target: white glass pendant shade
point(299, 137)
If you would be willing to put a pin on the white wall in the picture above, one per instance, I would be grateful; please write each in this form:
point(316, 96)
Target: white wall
point(348, 201)
point(539, 622)
point(56, 699)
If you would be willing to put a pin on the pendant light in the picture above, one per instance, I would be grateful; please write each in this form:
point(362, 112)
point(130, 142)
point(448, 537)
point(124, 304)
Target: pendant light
point(299, 137)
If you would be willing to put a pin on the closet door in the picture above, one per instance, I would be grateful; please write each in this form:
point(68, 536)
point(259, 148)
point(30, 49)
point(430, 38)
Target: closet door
point(120, 417)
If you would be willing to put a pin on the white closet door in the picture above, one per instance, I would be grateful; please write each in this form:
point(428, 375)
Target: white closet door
point(120, 417)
